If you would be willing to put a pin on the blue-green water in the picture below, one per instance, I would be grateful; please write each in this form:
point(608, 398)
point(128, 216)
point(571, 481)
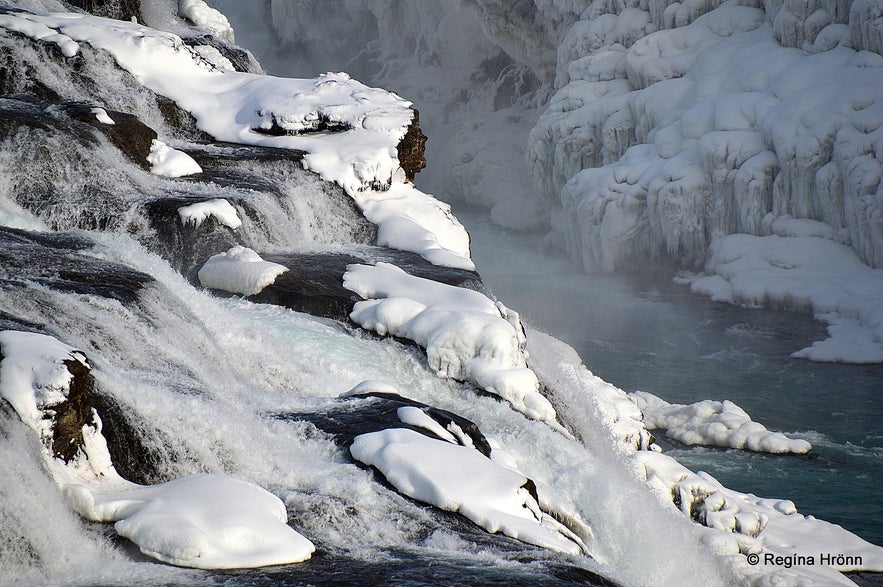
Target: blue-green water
point(648, 333)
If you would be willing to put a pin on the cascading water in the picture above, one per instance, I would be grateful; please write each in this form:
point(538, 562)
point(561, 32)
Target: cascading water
point(193, 383)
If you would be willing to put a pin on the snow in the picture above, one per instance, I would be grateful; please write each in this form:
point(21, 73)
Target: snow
point(169, 162)
point(201, 521)
point(461, 479)
point(219, 209)
point(759, 525)
point(348, 131)
point(102, 116)
point(33, 376)
point(207, 18)
point(410, 220)
point(802, 273)
point(239, 270)
point(713, 423)
point(466, 335)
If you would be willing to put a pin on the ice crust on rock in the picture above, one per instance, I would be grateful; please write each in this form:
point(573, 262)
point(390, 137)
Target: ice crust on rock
point(239, 270)
point(466, 335)
point(713, 423)
point(206, 18)
point(659, 141)
point(201, 521)
point(743, 522)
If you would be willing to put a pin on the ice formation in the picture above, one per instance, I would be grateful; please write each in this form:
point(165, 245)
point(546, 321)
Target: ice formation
point(202, 521)
point(466, 335)
point(239, 270)
point(713, 423)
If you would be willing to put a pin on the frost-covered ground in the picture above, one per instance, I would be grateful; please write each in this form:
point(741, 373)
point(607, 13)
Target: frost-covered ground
point(213, 375)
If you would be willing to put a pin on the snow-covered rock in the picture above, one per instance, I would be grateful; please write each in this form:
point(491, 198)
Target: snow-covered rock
point(169, 162)
point(466, 335)
point(239, 270)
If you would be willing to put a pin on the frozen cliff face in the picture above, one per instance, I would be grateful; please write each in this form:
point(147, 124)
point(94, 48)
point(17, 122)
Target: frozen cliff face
point(675, 125)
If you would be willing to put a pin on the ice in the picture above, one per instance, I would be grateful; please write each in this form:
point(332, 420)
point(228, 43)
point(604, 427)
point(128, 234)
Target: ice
point(239, 270)
point(466, 335)
point(803, 273)
point(219, 209)
point(460, 479)
point(169, 162)
point(648, 150)
point(750, 524)
point(713, 423)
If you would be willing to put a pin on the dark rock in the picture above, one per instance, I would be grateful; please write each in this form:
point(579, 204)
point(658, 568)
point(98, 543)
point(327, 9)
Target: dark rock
point(54, 260)
point(374, 411)
point(412, 148)
point(312, 284)
point(131, 136)
point(314, 281)
point(139, 452)
point(73, 413)
point(117, 9)
point(241, 59)
point(186, 247)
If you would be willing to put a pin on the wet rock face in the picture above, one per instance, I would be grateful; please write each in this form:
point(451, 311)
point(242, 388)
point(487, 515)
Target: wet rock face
point(186, 247)
point(131, 136)
point(54, 260)
point(412, 148)
point(118, 9)
point(73, 414)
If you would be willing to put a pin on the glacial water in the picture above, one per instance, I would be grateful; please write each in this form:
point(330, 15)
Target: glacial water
point(644, 332)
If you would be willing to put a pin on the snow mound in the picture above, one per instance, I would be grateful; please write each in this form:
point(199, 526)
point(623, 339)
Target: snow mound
point(219, 209)
point(169, 162)
point(239, 270)
point(713, 423)
point(466, 335)
point(201, 521)
point(102, 116)
point(802, 273)
point(461, 479)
